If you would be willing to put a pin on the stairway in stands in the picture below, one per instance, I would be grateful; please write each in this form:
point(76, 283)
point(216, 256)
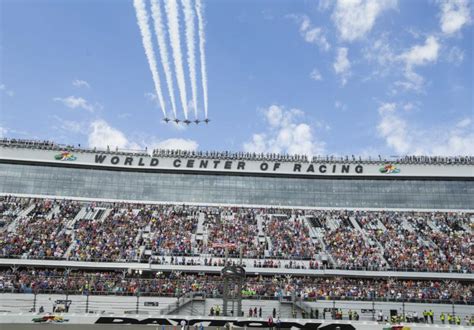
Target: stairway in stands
point(198, 238)
point(316, 227)
point(22, 214)
point(369, 240)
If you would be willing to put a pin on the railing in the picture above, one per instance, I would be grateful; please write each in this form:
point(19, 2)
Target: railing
point(425, 160)
point(252, 297)
point(199, 261)
point(162, 305)
point(125, 285)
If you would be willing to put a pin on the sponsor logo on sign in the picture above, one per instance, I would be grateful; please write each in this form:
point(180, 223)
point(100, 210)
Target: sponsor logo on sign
point(215, 322)
point(50, 319)
point(65, 155)
point(389, 169)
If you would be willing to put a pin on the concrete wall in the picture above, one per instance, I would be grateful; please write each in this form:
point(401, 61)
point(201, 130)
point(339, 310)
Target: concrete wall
point(118, 305)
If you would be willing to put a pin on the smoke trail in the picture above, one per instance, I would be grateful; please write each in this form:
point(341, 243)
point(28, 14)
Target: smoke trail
point(142, 20)
point(162, 46)
point(190, 39)
point(173, 28)
point(202, 41)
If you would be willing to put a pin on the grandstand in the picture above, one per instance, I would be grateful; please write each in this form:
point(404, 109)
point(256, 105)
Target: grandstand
point(145, 234)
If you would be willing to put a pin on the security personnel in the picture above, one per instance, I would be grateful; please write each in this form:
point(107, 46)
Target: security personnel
point(458, 320)
point(441, 317)
point(450, 319)
point(393, 319)
point(425, 315)
point(431, 315)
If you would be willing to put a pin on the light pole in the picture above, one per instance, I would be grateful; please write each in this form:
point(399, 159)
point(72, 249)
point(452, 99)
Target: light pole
point(138, 272)
point(157, 278)
point(35, 292)
point(178, 286)
point(277, 280)
point(87, 294)
point(293, 296)
point(66, 305)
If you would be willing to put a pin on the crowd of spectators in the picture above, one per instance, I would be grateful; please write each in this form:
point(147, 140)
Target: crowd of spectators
point(220, 262)
point(438, 241)
point(10, 207)
point(378, 240)
point(41, 233)
point(435, 160)
point(406, 248)
point(113, 238)
point(278, 287)
point(349, 246)
point(170, 230)
point(392, 289)
point(454, 239)
point(289, 237)
point(350, 250)
point(232, 228)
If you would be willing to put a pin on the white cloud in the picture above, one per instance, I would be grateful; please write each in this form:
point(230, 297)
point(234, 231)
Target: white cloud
point(311, 34)
point(274, 115)
point(389, 60)
point(80, 83)
point(413, 82)
point(410, 106)
point(454, 15)
point(69, 126)
point(342, 65)
point(151, 96)
point(455, 56)
point(324, 5)
point(393, 129)
point(74, 102)
point(181, 144)
point(424, 54)
point(355, 18)
point(418, 55)
point(321, 124)
point(285, 133)
point(258, 143)
point(339, 105)
point(3, 132)
point(464, 123)
point(7, 91)
point(316, 75)
point(380, 52)
point(456, 142)
point(404, 138)
point(101, 135)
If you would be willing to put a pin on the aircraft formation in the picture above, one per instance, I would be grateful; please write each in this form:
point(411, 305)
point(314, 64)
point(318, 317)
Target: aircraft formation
point(186, 121)
point(180, 39)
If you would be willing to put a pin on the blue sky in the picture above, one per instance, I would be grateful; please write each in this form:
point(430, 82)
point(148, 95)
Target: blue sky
point(317, 77)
